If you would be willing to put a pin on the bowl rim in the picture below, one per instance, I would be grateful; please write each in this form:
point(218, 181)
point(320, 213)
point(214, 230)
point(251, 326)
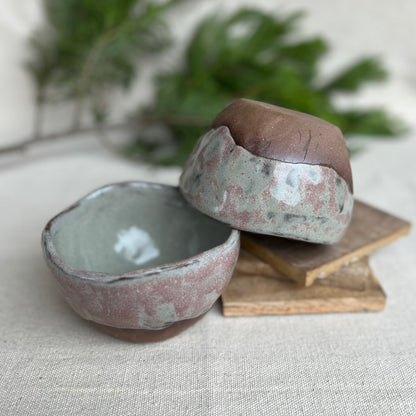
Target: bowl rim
point(52, 256)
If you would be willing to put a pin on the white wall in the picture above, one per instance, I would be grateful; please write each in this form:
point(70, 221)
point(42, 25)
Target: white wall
point(354, 27)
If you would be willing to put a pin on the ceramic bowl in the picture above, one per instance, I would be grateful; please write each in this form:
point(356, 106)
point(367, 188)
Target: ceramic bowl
point(269, 170)
point(138, 261)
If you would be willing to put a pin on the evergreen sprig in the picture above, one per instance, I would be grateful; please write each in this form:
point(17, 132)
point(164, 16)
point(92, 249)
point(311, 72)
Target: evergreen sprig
point(256, 55)
point(89, 47)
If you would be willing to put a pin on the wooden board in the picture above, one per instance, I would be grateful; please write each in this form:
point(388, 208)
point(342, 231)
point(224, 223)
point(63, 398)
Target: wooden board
point(369, 230)
point(352, 288)
point(250, 264)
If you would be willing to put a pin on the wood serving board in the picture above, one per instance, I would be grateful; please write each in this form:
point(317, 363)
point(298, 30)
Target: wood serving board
point(303, 262)
point(352, 288)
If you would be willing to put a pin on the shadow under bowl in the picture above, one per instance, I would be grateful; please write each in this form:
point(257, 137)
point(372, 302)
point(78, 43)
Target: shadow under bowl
point(138, 261)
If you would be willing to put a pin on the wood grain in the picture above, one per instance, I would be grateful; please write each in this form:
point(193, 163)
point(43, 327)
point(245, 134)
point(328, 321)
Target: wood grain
point(303, 262)
point(352, 288)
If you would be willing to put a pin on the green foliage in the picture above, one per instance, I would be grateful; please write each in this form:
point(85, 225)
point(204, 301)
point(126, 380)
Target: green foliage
point(255, 55)
point(352, 78)
point(92, 46)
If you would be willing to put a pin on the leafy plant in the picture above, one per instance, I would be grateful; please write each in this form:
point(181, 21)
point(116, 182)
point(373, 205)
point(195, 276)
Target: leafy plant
point(90, 47)
point(255, 55)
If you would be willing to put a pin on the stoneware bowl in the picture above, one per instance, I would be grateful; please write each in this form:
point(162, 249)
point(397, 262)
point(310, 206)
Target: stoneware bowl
point(138, 261)
point(270, 170)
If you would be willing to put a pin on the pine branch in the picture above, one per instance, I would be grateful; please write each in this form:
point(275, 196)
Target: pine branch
point(255, 55)
point(81, 86)
point(352, 78)
point(97, 54)
point(249, 53)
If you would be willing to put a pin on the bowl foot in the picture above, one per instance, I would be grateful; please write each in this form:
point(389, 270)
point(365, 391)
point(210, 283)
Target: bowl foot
point(147, 335)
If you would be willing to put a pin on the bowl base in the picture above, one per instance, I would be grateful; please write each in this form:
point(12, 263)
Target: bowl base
point(147, 335)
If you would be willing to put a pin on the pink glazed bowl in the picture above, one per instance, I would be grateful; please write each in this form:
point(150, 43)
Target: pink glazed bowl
point(138, 261)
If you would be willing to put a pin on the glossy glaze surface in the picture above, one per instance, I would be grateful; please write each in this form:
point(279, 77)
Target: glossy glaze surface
point(294, 200)
point(136, 255)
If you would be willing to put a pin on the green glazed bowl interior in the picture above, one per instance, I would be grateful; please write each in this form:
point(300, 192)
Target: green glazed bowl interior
point(129, 226)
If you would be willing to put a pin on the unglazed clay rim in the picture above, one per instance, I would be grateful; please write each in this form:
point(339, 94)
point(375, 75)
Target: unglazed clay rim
point(149, 272)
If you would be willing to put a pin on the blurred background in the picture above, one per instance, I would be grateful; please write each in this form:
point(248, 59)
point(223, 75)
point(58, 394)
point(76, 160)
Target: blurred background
point(155, 73)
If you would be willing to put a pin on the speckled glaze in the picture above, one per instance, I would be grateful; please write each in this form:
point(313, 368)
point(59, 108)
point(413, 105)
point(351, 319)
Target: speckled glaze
point(148, 289)
point(293, 200)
